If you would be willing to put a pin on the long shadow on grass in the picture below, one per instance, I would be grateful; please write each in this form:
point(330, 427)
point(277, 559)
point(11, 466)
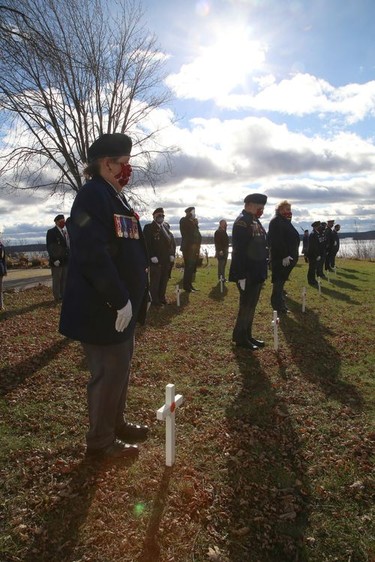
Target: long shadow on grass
point(216, 294)
point(163, 316)
point(151, 547)
point(11, 377)
point(8, 314)
point(344, 284)
point(266, 471)
point(316, 358)
point(60, 525)
point(329, 292)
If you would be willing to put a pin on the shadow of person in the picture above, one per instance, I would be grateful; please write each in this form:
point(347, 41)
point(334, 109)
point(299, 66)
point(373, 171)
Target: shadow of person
point(8, 314)
point(317, 360)
point(151, 547)
point(266, 471)
point(217, 294)
point(344, 284)
point(330, 292)
point(11, 377)
point(74, 485)
point(162, 316)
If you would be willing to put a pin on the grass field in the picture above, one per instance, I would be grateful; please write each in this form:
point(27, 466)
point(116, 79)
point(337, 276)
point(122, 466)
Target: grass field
point(275, 450)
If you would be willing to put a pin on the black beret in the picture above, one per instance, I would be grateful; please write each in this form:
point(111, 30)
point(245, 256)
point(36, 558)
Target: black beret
point(331, 221)
point(189, 209)
point(58, 218)
point(258, 198)
point(158, 210)
point(315, 224)
point(112, 145)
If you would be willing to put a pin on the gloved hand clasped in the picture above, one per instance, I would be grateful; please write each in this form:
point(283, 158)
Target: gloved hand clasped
point(124, 315)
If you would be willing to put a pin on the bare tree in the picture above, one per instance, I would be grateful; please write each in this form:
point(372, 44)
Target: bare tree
point(71, 70)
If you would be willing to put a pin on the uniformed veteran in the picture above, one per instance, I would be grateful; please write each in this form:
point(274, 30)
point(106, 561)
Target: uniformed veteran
point(248, 267)
point(106, 293)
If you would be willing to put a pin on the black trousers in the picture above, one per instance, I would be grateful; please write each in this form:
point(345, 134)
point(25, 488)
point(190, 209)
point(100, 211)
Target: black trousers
point(190, 267)
point(159, 276)
point(243, 329)
point(107, 390)
point(221, 263)
point(312, 271)
point(277, 296)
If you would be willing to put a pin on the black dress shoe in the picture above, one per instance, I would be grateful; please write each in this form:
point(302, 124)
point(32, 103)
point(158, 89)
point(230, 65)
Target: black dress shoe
point(116, 450)
point(132, 433)
point(194, 290)
point(247, 344)
point(283, 311)
point(258, 343)
point(314, 284)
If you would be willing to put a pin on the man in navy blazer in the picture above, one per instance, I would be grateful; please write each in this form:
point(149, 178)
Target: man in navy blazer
point(106, 293)
point(58, 252)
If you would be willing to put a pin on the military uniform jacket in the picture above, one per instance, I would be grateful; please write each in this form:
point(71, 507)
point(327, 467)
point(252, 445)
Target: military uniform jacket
point(160, 241)
point(314, 246)
point(108, 266)
point(57, 246)
point(249, 250)
point(283, 241)
point(221, 240)
point(191, 237)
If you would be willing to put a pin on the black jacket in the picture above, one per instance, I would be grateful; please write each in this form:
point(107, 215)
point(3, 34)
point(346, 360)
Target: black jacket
point(249, 250)
point(57, 246)
point(283, 241)
point(160, 242)
point(108, 266)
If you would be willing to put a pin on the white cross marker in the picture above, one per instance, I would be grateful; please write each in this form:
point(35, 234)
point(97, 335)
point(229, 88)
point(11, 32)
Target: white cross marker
point(320, 285)
point(221, 283)
point(178, 291)
point(167, 413)
point(303, 299)
point(335, 270)
point(327, 273)
point(275, 323)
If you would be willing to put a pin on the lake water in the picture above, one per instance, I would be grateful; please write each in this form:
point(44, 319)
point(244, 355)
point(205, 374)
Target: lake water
point(349, 248)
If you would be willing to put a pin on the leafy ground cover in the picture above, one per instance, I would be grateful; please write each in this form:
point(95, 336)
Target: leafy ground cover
point(275, 450)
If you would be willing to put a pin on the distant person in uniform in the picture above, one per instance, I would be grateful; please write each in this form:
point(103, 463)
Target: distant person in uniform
point(3, 273)
point(305, 244)
point(248, 267)
point(322, 238)
point(106, 294)
point(283, 243)
point(335, 245)
point(191, 239)
point(329, 238)
point(314, 254)
point(58, 251)
point(221, 240)
point(161, 248)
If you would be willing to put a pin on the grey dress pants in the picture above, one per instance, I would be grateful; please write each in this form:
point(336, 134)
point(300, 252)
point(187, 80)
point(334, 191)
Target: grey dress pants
point(107, 389)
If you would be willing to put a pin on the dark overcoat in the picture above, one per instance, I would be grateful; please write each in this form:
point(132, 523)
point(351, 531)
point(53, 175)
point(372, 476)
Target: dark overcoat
point(249, 250)
point(57, 246)
point(283, 241)
point(191, 238)
point(108, 266)
point(160, 242)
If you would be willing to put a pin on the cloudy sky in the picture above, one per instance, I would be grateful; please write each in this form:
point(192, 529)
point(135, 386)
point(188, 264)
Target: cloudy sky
point(270, 96)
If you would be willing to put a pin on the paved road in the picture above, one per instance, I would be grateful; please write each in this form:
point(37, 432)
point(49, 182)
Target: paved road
point(19, 279)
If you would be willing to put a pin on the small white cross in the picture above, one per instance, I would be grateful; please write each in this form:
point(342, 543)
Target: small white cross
point(178, 291)
point(303, 299)
point(319, 286)
point(167, 413)
point(275, 323)
point(221, 284)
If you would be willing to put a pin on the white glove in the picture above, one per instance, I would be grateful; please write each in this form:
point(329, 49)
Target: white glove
point(318, 258)
point(171, 259)
point(242, 284)
point(286, 261)
point(56, 263)
point(154, 260)
point(124, 315)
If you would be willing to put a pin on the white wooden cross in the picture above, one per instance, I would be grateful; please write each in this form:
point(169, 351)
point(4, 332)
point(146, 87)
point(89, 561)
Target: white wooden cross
point(178, 291)
point(275, 323)
point(319, 286)
point(221, 284)
point(303, 299)
point(167, 413)
point(327, 273)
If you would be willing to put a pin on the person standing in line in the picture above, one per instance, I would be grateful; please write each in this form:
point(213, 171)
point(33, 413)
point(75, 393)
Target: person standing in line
point(221, 240)
point(3, 273)
point(283, 242)
point(305, 244)
point(314, 254)
point(191, 239)
point(248, 267)
point(322, 238)
point(335, 245)
point(161, 248)
point(329, 238)
point(106, 294)
point(57, 240)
